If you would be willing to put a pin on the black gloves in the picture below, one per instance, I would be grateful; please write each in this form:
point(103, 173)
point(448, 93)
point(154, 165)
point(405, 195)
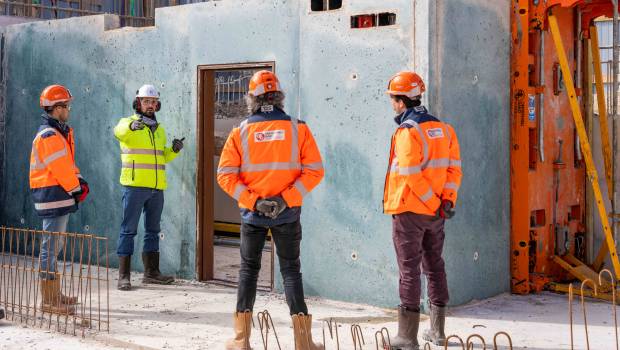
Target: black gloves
point(271, 207)
point(177, 145)
point(445, 210)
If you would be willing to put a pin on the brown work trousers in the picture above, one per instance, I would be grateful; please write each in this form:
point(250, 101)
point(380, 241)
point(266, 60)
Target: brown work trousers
point(419, 239)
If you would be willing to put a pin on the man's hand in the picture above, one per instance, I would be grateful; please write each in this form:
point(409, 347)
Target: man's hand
point(177, 145)
point(136, 125)
point(445, 210)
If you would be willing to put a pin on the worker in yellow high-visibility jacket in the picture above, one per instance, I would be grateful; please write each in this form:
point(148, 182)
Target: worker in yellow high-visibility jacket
point(144, 156)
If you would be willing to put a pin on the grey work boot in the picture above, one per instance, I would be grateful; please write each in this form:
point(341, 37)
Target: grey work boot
point(436, 334)
point(407, 338)
point(124, 273)
point(151, 270)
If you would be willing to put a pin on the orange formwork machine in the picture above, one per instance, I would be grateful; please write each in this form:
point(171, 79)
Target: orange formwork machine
point(556, 80)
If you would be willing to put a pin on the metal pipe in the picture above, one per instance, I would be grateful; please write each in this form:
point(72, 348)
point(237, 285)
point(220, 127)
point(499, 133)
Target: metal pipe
point(541, 98)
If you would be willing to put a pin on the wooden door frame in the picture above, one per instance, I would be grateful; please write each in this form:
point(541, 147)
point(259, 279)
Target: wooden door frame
point(205, 150)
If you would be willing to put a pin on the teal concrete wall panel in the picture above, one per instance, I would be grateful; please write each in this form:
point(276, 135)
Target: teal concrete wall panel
point(469, 76)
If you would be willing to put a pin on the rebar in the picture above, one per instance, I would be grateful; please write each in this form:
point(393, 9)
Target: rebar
point(454, 336)
point(470, 343)
point(77, 303)
point(613, 297)
point(384, 332)
point(358, 336)
point(332, 325)
point(504, 334)
point(264, 323)
point(583, 307)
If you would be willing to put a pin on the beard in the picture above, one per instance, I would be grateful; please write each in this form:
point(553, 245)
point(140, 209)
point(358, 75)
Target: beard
point(149, 112)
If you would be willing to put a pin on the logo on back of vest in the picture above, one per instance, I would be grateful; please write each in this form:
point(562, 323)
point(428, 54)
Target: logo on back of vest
point(268, 136)
point(434, 133)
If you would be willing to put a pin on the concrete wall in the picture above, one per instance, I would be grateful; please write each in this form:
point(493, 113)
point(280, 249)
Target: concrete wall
point(469, 71)
point(335, 78)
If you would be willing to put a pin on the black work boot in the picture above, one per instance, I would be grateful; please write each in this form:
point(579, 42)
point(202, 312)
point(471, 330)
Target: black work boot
point(407, 338)
point(151, 270)
point(436, 334)
point(124, 273)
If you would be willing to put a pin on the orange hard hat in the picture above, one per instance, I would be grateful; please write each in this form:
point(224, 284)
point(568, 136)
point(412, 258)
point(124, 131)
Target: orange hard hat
point(406, 83)
point(54, 94)
point(263, 82)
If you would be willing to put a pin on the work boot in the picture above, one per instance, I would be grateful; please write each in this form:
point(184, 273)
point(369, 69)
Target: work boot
point(151, 270)
point(124, 273)
point(302, 328)
point(51, 300)
point(436, 334)
point(243, 329)
point(407, 337)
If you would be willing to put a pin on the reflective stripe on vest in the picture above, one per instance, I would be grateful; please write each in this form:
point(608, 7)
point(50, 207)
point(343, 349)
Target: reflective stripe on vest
point(144, 166)
point(146, 151)
point(238, 190)
point(55, 205)
point(451, 186)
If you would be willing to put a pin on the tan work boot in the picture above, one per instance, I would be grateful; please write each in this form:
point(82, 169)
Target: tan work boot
point(302, 328)
point(243, 330)
point(436, 334)
point(52, 298)
point(151, 270)
point(407, 337)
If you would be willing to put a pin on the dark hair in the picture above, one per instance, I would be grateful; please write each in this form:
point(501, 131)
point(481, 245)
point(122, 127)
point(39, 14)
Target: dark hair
point(409, 103)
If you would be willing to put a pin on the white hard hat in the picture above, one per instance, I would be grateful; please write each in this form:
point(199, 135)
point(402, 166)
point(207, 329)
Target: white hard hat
point(147, 90)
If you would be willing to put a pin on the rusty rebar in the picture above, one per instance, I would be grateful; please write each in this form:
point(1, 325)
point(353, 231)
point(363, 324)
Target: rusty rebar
point(570, 314)
point(504, 334)
point(358, 336)
point(454, 336)
point(333, 328)
point(583, 307)
point(470, 343)
point(384, 332)
point(613, 298)
point(21, 274)
point(264, 323)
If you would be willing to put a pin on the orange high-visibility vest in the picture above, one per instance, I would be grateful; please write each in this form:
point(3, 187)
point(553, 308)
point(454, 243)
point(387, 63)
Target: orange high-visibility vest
point(270, 154)
point(54, 177)
point(424, 166)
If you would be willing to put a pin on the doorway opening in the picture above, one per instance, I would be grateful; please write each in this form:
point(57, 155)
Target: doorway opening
point(221, 107)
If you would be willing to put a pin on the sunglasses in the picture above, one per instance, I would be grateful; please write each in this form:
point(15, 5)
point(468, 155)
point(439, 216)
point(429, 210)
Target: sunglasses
point(67, 107)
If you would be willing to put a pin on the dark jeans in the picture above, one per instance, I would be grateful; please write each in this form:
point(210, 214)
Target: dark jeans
point(287, 238)
point(138, 200)
point(419, 239)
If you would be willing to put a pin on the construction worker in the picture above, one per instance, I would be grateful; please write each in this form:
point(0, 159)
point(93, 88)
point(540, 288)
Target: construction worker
point(56, 187)
point(144, 156)
point(421, 188)
point(268, 164)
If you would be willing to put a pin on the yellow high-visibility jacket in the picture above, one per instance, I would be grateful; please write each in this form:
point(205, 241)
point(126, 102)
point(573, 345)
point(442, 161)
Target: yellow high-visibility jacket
point(144, 155)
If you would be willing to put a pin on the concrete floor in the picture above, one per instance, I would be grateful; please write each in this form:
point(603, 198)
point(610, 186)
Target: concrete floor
point(191, 315)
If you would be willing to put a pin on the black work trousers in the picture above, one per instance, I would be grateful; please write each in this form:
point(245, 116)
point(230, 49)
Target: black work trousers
point(287, 238)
